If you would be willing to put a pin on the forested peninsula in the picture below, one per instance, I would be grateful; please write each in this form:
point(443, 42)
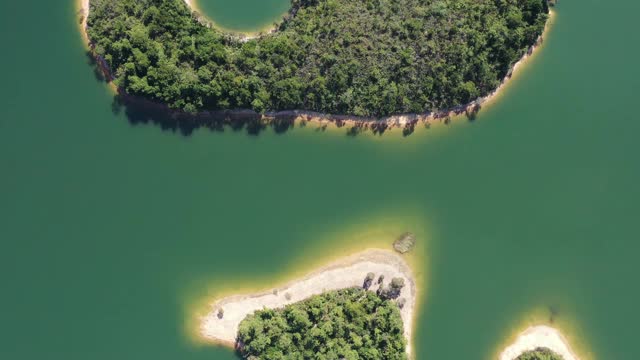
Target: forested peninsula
point(539, 342)
point(367, 58)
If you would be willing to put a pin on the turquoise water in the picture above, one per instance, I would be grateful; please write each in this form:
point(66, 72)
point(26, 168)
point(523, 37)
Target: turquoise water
point(111, 232)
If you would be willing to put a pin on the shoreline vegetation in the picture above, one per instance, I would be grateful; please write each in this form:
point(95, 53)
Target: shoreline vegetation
point(539, 337)
point(285, 119)
point(221, 324)
point(349, 324)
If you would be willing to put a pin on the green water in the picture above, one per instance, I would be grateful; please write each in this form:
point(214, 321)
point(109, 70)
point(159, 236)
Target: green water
point(244, 15)
point(110, 232)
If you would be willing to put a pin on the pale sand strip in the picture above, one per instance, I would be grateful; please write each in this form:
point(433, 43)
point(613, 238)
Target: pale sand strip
point(539, 337)
point(84, 11)
point(344, 273)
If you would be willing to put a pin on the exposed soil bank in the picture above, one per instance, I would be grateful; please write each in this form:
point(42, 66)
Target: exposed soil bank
point(347, 272)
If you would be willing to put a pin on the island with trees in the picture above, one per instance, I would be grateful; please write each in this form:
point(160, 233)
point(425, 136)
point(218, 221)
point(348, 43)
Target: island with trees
point(357, 307)
point(539, 342)
point(360, 306)
point(345, 324)
point(540, 354)
point(368, 59)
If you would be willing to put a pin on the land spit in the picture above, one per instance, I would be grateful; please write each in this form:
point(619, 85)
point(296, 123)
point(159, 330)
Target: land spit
point(286, 118)
point(539, 337)
point(347, 272)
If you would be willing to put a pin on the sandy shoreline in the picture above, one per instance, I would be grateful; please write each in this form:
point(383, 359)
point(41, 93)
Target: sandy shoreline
point(242, 36)
point(344, 273)
point(83, 11)
point(539, 337)
point(407, 122)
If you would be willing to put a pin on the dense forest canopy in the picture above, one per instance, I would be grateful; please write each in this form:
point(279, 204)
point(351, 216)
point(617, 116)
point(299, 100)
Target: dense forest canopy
point(357, 57)
point(540, 354)
point(344, 324)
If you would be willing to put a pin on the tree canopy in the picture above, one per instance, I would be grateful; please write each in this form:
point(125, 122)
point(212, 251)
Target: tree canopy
point(364, 57)
point(539, 354)
point(344, 324)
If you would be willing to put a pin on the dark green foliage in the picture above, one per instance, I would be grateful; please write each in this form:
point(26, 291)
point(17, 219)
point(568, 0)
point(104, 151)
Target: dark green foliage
point(393, 290)
point(368, 281)
point(540, 354)
point(344, 324)
point(359, 57)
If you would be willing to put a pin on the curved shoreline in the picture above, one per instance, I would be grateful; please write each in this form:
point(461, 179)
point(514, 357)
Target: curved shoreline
point(540, 336)
point(83, 11)
point(347, 272)
point(241, 35)
point(407, 122)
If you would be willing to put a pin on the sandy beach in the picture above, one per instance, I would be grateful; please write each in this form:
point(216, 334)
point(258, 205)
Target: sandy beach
point(84, 12)
point(343, 273)
point(539, 337)
point(376, 124)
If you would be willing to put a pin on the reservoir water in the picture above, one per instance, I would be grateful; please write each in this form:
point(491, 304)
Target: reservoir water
point(112, 234)
point(244, 15)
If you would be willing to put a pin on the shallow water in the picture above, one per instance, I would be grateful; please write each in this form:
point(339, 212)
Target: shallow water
point(244, 15)
point(111, 233)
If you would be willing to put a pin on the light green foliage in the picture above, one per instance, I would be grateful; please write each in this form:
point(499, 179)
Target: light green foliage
point(364, 57)
point(344, 324)
point(539, 354)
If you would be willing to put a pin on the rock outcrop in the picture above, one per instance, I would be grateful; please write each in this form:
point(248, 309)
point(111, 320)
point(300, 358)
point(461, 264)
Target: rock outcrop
point(405, 243)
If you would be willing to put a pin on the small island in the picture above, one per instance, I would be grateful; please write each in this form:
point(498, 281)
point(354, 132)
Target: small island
point(402, 61)
point(539, 343)
point(345, 324)
point(359, 306)
point(380, 279)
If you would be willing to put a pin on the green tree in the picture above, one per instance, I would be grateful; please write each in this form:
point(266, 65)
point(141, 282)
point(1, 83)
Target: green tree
point(539, 354)
point(344, 324)
point(368, 58)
